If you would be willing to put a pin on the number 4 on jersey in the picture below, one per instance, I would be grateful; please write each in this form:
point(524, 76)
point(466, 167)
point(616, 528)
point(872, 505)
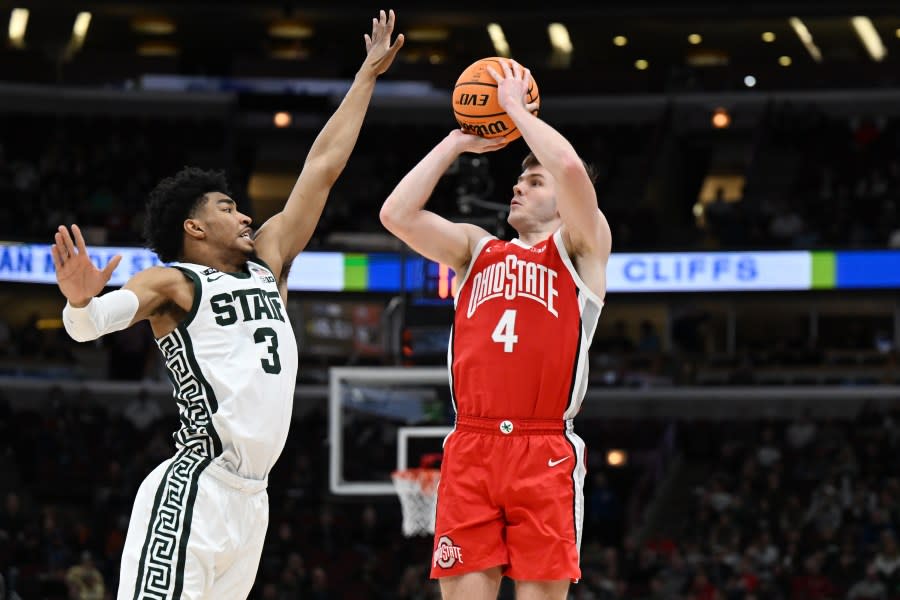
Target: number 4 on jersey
point(505, 331)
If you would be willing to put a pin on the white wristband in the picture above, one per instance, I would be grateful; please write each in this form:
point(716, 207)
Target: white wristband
point(103, 314)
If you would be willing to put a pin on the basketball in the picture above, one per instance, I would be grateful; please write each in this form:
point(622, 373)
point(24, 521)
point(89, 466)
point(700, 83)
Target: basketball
point(475, 103)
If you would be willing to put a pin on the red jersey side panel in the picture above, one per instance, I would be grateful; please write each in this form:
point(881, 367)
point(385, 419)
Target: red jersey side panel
point(523, 324)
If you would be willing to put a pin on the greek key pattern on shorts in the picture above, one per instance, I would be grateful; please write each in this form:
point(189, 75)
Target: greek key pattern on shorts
point(162, 562)
point(192, 394)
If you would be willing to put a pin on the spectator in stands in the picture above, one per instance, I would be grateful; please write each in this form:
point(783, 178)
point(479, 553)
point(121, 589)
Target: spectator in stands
point(648, 339)
point(768, 453)
point(868, 588)
point(825, 512)
point(812, 584)
point(84, 581)
point(141, 411)
point(320, 588)
point(887, 561)
point(619, 342)
point(801, 432)
point(604, 512)
point(702, 588)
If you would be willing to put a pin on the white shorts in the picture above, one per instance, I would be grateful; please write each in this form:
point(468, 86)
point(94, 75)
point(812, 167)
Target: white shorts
point(196, 532)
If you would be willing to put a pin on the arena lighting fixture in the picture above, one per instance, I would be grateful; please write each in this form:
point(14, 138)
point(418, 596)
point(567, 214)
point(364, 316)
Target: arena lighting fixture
point(616, 458)
point(79, 33)
point(706, 57)
point(80, 29)
point(559, 38)
point(768, 37)
point(641, 64)
point(282, 119)
point(720, 118)
point(750, 81)
point(501, 46)
point(158, 48)
point(153, 25)
point(426, 33)
point(18, 23)
point(82, 23)
point(806, 37)
point(785, 61)
point(621, 40)
point(45, 324)
point(695, 38)
point(291, 29)
point(289, 51)
point(869, 37)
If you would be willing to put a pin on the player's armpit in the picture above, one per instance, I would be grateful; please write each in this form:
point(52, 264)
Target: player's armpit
point(157, 286)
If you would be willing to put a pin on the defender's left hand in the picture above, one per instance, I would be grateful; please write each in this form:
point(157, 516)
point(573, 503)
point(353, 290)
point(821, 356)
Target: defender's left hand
point(380, 51)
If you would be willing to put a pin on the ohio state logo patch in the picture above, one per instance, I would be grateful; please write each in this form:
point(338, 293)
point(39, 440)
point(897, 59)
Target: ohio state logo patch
point(447, 553)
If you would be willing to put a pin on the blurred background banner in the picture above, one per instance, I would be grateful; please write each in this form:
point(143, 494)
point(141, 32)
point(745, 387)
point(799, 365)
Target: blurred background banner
point(627, 272)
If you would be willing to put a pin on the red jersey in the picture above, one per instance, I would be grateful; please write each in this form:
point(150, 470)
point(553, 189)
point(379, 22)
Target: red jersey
point(523, 325)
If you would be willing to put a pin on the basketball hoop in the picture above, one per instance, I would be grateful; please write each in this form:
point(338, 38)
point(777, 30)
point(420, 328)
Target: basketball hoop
point(417, 489)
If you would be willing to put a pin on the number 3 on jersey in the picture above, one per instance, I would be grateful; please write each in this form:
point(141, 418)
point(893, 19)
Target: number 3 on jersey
point(505, 331)
point(271, 363)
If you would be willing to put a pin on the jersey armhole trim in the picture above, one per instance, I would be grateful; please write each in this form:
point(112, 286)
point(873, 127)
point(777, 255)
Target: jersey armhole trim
point(262, 263)
point(567, 260)
point(476, 251)
point(198, 292)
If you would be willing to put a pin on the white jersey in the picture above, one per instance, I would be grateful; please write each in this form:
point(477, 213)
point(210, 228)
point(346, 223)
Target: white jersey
point(233, 362)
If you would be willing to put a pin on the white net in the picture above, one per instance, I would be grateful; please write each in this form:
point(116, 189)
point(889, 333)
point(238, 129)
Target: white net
point(417, 489)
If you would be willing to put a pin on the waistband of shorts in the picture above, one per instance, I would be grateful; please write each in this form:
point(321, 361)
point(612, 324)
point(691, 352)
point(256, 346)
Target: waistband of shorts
point(513, 426)
point(235, 481)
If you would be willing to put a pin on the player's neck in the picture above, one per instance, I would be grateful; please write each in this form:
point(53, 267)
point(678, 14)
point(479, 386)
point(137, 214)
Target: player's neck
point(533, 237)
point(224, 264)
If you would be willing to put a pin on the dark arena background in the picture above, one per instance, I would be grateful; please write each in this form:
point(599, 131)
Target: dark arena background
point(741, 419)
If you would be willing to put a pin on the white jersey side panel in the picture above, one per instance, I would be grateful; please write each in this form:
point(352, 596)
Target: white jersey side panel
point(233, 362)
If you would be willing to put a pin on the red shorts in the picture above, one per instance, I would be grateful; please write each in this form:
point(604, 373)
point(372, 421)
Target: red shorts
point(510, 495)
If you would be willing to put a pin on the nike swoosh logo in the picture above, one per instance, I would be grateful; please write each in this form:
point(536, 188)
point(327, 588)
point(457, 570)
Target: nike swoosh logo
point(211, 279)
point(553, 463)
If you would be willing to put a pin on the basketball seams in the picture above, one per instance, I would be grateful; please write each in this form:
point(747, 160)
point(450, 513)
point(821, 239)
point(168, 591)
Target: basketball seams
point(461, 83)
point(468, 116)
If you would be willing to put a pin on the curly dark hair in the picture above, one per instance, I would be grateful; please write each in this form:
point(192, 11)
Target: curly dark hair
point(173, 200)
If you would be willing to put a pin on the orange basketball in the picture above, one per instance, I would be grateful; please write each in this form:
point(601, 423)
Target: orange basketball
point(475, 103)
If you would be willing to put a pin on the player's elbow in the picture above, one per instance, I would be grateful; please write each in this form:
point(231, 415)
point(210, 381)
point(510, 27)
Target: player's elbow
point(390, 216)
point(572, 165)
point(80, 336)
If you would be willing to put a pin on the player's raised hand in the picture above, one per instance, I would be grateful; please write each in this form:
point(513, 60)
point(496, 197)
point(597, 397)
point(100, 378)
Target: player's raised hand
point(512, 86)
point(467, 142)
point(380, 51)
point(78, 278)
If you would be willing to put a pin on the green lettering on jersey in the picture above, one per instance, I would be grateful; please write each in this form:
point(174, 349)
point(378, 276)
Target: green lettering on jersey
point(254, 304)
point(223, 308)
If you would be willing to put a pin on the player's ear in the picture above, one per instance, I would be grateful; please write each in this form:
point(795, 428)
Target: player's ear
point(194, 228)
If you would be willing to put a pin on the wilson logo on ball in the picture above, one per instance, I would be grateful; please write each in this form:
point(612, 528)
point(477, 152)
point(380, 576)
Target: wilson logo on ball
point(485, 129)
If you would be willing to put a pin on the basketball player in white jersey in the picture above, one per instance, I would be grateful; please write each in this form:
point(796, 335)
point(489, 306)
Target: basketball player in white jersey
point(218, 315)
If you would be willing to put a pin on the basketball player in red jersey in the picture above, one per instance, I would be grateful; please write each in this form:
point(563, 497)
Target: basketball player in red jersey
point(510, 499)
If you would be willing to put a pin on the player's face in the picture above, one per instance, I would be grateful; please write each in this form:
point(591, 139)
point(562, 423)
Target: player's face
point(534, 198)
point(226, 226)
